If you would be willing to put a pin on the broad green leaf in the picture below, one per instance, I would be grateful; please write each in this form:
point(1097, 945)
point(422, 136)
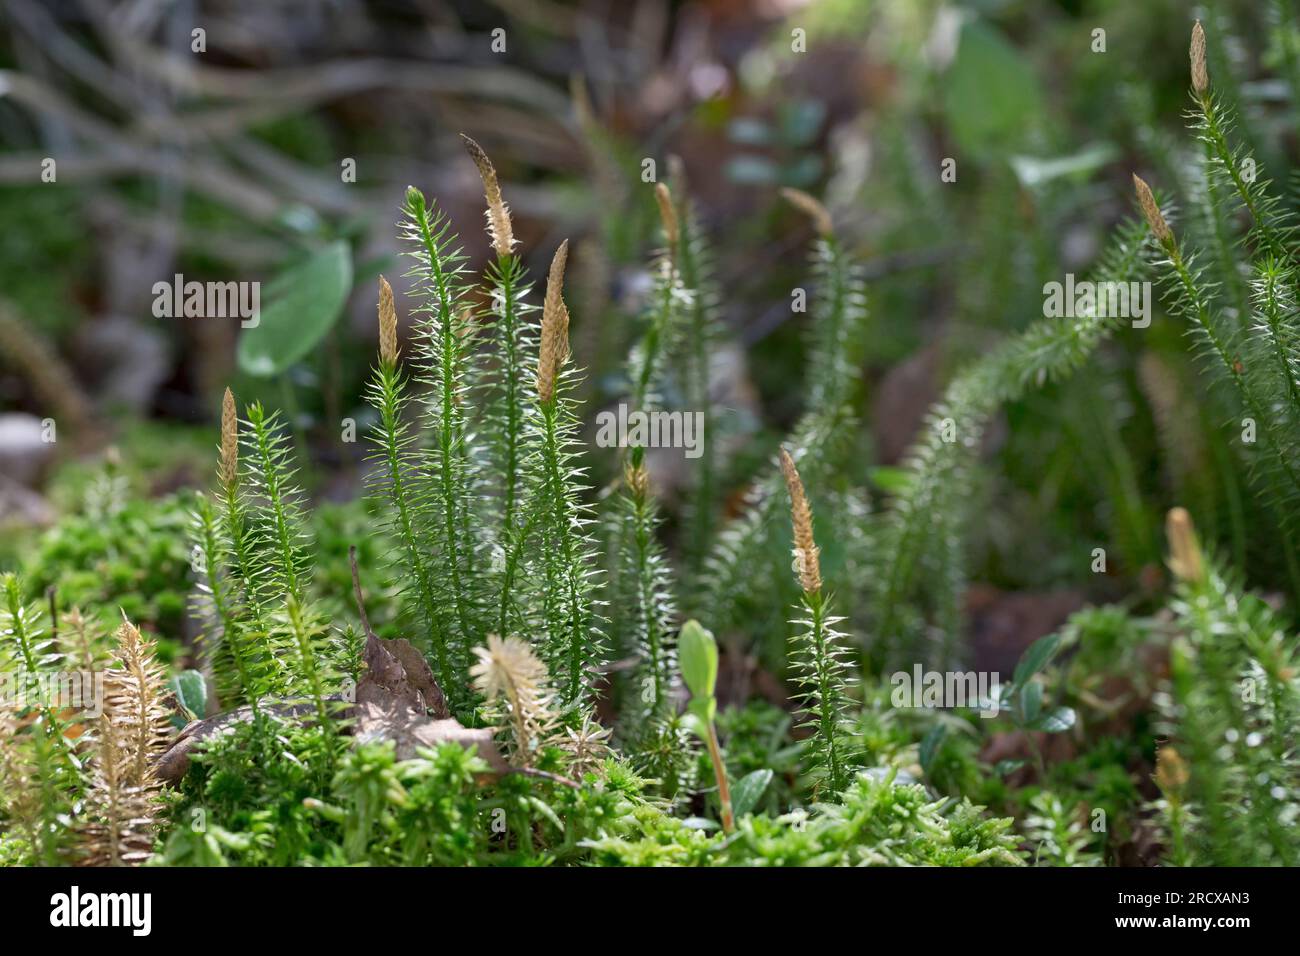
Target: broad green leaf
point(697, 655)
point(1031, 702)
point(191, 692)
point(298, 308)
point(372, 268)
point(1036, 657)
point(748, 789)
point(991, 94)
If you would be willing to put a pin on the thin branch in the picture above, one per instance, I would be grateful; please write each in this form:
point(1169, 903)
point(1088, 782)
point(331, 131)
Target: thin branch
point(545, 775)
point(52, 596)
point(356, 591)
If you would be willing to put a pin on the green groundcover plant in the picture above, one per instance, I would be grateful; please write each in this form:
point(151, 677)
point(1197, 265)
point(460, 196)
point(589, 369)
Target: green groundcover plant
point(543, 686)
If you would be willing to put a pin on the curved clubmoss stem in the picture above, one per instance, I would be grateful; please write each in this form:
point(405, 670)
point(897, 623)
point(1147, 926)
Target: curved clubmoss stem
point(572, 625)
point(222, 604)
point(388, 391)
point(449, 377)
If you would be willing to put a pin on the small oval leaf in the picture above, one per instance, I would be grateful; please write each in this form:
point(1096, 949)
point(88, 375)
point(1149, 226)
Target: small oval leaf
point(1031, 702)
point(697, 654)
point(748, 789)
point(297, 310)
point(1036, 657)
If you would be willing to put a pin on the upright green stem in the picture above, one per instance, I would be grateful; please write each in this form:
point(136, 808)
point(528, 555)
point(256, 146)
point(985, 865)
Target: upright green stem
point(447, 451)
point(1218, 143)
point(1222, 243)
point(1202, 315)
point(390, 422)
point(513, 558)
point(827, 688)
point(511, 377)
point(234, 521)
point(646, 597)
point(273, 477)
point(221, 605)
point(307, 656)
point(556, 491)
point(1277, 335)
point(654, 337)
point(720, 772)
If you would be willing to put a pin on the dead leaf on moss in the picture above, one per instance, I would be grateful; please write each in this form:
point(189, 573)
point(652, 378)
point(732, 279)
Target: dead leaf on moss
point(410, 730)
point(175, 760)
point(397, 699)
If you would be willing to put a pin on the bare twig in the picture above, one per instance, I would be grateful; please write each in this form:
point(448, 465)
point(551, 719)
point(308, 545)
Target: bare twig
point(356, 590)
point(545, 775)
point(52, 597)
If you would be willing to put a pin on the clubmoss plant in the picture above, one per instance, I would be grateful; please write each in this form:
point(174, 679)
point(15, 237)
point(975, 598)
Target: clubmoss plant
point(734, 574)
point(44, 767)
point(229, 641)
point(702, 335)
point(1249, 336)
point(512, 341)
point(1058, 836)
point(481, 484)
point(230, 553)
point(1171, 777)
point(510, 675)
point(650, 618)
point(566, 550)
point(1230, 798)
point(124, 799)
point(925, 527)
point(394, 439)
point(818, 659)
point(663, 330)
point(442, 490)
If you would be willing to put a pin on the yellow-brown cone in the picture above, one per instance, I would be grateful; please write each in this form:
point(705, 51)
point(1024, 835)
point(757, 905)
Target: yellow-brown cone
point(498, 213)
point(805, 548)
point(228, 470)
point(1151, 211)
point(554, 347)
point(387, 323)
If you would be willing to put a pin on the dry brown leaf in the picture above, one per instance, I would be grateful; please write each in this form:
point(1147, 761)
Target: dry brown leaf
point(410, 730)
point(397, 673)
